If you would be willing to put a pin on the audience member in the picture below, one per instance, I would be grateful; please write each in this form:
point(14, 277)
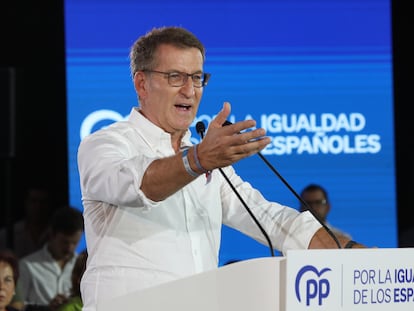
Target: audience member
point(154, 203)
point(75, 301)
point(29, 233)
point(316, 197)
point(46, 274)
point(17, 300)
point(9, 274)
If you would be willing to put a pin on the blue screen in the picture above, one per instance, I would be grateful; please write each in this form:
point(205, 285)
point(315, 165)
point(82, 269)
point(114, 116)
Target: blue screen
point(317, 75)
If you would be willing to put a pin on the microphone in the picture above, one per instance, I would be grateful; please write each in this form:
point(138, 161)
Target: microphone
point(201, 128)
point(302, 201)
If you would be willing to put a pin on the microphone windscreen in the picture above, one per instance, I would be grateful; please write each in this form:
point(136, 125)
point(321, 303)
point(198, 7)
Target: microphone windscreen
point(200, 127)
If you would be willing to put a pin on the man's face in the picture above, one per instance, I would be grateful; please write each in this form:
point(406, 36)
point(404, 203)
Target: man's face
point(63, 246)
point(317, 201)
point(171, 108)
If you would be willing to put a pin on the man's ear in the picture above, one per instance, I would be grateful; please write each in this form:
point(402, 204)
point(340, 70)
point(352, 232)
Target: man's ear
point(139, 83)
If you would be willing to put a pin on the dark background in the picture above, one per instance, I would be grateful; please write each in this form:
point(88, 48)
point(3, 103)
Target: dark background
point(32, 43)
point(33, 135)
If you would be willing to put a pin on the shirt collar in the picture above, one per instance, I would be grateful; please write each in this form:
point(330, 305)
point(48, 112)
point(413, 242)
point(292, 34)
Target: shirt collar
point(154, 134)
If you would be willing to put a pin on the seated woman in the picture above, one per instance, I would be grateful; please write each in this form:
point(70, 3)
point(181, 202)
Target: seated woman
point(9, 273)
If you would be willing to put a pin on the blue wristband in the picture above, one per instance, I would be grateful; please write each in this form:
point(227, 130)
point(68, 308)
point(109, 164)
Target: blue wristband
point(197, 161)
point(187, 166)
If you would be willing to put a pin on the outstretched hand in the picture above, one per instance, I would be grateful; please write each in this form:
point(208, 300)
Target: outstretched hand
point(225, 145)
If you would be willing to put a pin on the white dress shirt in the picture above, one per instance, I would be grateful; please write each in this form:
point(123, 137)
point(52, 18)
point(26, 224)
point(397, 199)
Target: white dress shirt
point(41, 278)
point(134, 243)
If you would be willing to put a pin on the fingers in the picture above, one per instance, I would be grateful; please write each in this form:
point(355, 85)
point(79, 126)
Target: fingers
point(248, 135)
point(252, 136)
point(221, 119)
point(250, 143)
point(225, 145)
point(221, 116)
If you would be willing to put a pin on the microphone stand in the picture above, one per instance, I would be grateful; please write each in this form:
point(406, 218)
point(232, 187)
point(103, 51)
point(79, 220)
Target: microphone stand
point(301, 200)
point(200, 127)
point(311, 210)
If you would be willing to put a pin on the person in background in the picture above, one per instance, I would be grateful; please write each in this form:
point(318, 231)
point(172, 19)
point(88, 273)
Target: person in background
point(75, 301)
point(45, 275)
point(30, 233)
point(17, 300)
point(154, 203)
point(9, 274)
point(316, 197)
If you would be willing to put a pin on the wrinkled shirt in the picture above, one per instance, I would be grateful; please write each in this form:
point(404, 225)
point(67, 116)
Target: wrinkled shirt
point(135, 243)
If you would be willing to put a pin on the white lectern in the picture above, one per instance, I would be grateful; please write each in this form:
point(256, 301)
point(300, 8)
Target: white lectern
point(341, 279)
point(243, 286)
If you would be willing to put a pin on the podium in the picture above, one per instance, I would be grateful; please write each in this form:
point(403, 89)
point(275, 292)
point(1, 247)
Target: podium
point(342, 279)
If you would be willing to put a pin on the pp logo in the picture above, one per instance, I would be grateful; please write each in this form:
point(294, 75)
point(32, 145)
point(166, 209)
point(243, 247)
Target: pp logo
point(310, 285)
point(96, 117)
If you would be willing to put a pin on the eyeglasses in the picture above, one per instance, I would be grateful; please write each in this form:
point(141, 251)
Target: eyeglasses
point(316, 203)
point(177, 79)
